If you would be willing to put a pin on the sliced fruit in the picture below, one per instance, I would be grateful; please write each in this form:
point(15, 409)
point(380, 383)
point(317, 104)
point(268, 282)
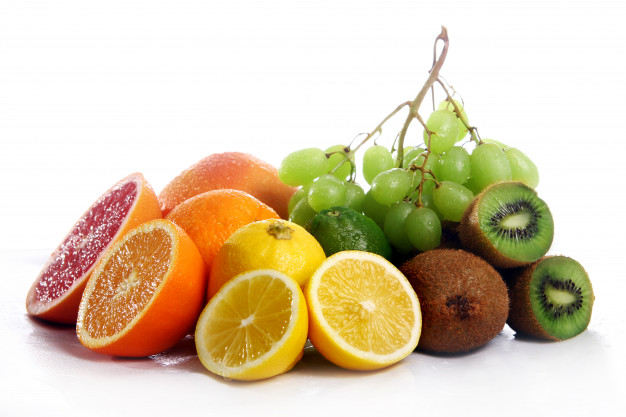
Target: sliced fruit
point(254, 328)
point(233, 170)
point(56, 292)
point(508, 225)
point(145, 294)
point(550, 299)
point(274, 244)
point(363, 313)
point(211, 217)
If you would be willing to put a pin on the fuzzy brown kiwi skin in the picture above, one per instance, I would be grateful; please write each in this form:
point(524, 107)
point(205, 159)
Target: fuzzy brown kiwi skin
point(475, 241)
point(463, 299)
point(521, 317)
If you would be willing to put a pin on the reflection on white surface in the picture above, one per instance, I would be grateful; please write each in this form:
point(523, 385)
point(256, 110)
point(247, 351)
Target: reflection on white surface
point(510, 375)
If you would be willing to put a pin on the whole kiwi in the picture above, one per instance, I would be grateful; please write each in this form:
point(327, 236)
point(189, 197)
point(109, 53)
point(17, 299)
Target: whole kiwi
point(463, 299)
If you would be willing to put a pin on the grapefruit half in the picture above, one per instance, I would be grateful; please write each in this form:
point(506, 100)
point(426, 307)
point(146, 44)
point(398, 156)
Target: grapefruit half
point(55, 295)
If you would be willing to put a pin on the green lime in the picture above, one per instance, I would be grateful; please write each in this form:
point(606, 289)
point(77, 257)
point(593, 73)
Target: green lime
point(341, 228)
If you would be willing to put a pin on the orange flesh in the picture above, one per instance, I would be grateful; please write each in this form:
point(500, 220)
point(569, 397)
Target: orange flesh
point(127, 283)
point(262, 308)
point(375, 315)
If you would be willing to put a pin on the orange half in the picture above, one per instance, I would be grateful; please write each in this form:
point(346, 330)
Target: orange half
point(145, 294)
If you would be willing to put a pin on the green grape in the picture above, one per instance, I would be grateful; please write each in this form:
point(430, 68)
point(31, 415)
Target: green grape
point(376, 159)
point(326, 192)
point(444, 128)
point(522, 168)
point(500, 144)
point(454, 165)
point(489, 165)
point(373, 209)
point(410, 155)
point(429, 202)
point(423, 228)
point(302, 213)
point(447, 105)
point(338, 154)
point(354, 196)
point(301, 193)
point(470, 184)
point(394, 225)
point(452, 199)
point(391, 186)
point(303, 166)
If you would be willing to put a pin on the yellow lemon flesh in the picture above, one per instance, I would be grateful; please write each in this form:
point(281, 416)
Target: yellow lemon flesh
point(254, 328)
point(266, 244)
point(363, 312)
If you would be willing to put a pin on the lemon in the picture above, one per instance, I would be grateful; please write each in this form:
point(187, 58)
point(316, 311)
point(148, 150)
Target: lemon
point(254, 328)
point(266, 244)
point(363, 312)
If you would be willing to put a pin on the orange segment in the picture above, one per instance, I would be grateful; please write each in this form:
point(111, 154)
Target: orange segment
point(145, 294)
point(56, 292)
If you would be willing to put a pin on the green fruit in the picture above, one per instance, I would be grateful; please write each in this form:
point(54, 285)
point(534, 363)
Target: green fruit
point(342, 228)
point(550, 299)
point(508, 225)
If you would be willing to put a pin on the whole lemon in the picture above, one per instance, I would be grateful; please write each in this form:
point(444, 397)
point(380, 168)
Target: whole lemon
point(266, 244)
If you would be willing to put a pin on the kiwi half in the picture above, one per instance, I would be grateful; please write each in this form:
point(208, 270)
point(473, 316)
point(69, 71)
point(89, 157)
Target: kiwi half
point(550, 299)
point(463, 299)
point(508, 225)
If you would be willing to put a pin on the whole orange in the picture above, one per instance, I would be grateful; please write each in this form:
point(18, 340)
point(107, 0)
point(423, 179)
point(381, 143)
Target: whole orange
point(211, 217)
point(234, 170)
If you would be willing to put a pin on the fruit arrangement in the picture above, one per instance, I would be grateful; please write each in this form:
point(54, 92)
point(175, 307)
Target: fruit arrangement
point(448, 244)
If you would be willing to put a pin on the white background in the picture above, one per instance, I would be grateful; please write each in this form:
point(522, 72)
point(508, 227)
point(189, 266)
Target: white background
point(91, 91)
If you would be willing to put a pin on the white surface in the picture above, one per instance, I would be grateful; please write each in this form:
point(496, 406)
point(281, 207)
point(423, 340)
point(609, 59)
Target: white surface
point(91, 91)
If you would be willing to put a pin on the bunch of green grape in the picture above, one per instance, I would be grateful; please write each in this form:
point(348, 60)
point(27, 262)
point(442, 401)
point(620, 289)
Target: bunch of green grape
point(408, 197)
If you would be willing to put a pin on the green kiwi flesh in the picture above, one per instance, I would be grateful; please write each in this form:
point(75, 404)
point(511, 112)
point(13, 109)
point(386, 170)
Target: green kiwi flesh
point(550, 299)
point(508, 225)
point(463, 299)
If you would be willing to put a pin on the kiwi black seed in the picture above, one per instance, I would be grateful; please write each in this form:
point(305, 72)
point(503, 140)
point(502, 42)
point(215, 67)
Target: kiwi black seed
point(463, 299)
point(550, 299)
point(508, 225)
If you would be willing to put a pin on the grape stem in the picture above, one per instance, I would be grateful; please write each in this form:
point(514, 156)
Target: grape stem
point(430, 81)
point(472, 129)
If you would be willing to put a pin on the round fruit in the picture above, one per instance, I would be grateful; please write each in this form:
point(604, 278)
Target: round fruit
point(233, 170)
point(267, 244)
point(145, 294)
point(56, 292)
point(340, 228)
point(255, 327)
point(463, 299)
point(550, 299)
point(363, 313)
point(508, 225)
point(211, 217)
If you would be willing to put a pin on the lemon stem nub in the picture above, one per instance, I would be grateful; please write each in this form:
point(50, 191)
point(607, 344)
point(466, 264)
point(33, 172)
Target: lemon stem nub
point(280, 230)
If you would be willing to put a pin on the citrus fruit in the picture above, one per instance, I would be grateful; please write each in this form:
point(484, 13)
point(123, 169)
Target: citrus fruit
point(55, 294)
point(145, 294)
point(363, 313)
point(235, 170)
point(274, 244)
point(211, 217)
point(342, 228)
point(255, 327)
